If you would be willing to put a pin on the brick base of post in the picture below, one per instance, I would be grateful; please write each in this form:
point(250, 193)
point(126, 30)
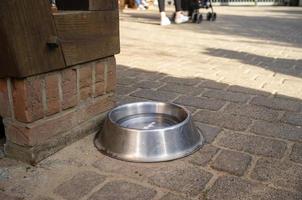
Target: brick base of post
point(46, 112)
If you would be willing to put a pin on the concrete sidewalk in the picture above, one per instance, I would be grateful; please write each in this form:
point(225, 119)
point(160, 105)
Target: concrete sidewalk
point(241, 77)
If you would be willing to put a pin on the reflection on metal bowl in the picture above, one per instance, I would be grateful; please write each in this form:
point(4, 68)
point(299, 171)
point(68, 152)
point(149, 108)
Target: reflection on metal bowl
point(149, 132)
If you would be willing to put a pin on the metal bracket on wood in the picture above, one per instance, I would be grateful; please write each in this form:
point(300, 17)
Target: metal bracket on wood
point(53, 42)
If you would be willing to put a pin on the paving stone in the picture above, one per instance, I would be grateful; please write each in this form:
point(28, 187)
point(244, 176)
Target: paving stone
point(122, 190)
point(205, 103)
point(278, 130)
point(253, 111)
point(237, 88)
point(283, 174)
point(8, 197)
point(4, 174)
point(2, 154)
point(122, 90)
point(126, 81)
point(213, 84)
point(191, 109)
point(184, 179)
point(232, 162)
point(171, 196)
point(183, 81)
point(182, 89)
point(44, 198)
point(155, 95)
point(142, 75)
point(148, 84)
point(226, 120)
point(228, 96)
point(293, 118)
point(203, 156)
point(296, 154)
point(79, 185)
point(235, 188)
point(120, 99)
point(131, 170)
point(252, 144)
point(209, 132)
point(277, 103)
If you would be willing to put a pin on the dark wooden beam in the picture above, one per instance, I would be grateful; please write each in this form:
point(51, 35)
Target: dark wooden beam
point(88, 35)
point(87, 4)
point(25, 28)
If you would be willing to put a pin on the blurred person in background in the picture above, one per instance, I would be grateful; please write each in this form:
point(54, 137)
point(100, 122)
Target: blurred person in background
point(179, 17)
point(141, 4)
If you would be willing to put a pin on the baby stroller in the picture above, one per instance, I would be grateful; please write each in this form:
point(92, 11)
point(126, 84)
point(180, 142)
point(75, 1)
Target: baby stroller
point(193, 7)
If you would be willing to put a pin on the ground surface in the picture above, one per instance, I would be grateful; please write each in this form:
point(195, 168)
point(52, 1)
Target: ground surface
point(242, 79)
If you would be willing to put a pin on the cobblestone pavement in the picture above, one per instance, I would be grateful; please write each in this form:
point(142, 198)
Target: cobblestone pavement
point(242, 79)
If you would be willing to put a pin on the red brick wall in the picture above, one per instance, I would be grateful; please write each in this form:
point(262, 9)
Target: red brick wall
point(42, 109)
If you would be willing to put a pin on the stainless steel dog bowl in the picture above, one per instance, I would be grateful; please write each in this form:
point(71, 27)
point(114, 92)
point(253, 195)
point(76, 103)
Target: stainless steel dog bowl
point(149, 132)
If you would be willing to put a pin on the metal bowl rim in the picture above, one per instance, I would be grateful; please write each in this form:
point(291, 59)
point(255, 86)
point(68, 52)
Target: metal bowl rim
point(186, 120)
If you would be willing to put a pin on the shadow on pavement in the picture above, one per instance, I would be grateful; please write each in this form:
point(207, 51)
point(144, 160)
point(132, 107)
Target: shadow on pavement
point(280, 65)
point(280, 29)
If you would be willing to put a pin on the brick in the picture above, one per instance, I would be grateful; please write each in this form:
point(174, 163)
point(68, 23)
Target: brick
point(148, 84)
point(94, 108)
point(204, 103)
point(281, 173)
point(100, 71)
point(203, 156)
point(155, 95)
point(232, 162)
point(9, 197)
point(228, 96)
point(38, 132)
point(27, 99)
point(278, 130)
point(69, 88)
point(99, 89)
point(182, 89)
point(85, 93)
point(252, 111)
point(188, 81)
point(296, 154)
point(277, 103)
point(171, 196)
point(4, 99)
point(111, 80)
point(111, 63)
point(229, 121)
point(252, 144)
point(85, 82)
point(235, 188)
point(52, 94)
point(79, 185)
point(292, 118)
point(237, 88)
point(187, 180)
point(122, 190)
point(213, 85)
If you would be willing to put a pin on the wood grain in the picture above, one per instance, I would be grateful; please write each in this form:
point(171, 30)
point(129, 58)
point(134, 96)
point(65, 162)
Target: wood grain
point(99, 5)
point(87, 35)
point(25, 26)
